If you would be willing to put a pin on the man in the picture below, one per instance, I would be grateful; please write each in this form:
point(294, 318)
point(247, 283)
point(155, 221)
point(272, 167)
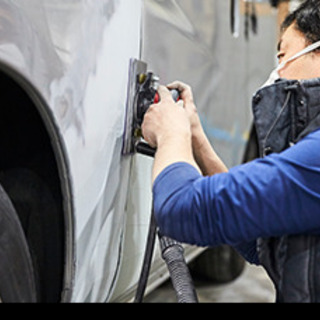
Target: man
point(268, 209)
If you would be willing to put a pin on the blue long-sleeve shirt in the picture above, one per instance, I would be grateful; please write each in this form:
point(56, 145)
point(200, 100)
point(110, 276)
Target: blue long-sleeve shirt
point(271, 197)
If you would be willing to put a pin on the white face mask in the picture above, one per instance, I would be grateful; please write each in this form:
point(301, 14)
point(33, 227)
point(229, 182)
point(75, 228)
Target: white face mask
point(274, 76)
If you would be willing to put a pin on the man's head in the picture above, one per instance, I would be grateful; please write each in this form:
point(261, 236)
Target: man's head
point(300, 29)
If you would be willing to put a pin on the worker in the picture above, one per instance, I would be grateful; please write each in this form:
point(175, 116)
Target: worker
point(267, 209)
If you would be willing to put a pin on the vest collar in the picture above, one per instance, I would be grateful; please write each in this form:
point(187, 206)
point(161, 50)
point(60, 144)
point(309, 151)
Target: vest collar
point(285, 112)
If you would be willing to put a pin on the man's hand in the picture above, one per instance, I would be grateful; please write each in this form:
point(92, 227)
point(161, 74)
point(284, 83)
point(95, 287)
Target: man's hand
point(198, 135)
point(189, 105)
point(166, 126)
point(204, 154)
point(165, 121)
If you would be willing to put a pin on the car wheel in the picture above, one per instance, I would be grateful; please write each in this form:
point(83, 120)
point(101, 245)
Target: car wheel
point(218, 265)
point(17, 282)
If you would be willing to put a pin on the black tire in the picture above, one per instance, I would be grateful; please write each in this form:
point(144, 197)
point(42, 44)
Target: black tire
point(17, 283)
point(218, 265)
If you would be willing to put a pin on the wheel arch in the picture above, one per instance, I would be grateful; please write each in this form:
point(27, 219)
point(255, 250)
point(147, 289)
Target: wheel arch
point(11, 78)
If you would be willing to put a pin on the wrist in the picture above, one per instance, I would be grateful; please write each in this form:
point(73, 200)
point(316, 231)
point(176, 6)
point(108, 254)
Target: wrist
point(176, 145)
point(199, 138)
point(204, 154)
point(172, 137)
point(173, 148)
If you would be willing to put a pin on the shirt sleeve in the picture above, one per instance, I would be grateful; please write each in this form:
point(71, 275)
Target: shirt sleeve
point(270, 197)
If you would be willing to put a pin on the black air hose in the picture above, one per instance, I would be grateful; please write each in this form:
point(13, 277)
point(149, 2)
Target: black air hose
point(173, 255)
point(142, 285)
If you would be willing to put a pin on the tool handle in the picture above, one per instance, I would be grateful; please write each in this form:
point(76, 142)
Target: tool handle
point(145, 149)
point(174, 93)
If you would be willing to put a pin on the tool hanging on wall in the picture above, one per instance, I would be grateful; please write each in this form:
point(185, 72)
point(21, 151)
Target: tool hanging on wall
point(235, 18)
point(250, 18)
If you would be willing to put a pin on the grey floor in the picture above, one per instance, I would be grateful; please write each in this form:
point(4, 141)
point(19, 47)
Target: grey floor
point(253, 286)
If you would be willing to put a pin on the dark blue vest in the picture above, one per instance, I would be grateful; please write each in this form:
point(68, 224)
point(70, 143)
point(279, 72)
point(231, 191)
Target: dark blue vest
point(284, 113)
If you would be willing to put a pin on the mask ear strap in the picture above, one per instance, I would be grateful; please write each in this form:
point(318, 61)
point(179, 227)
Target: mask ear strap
point(313, 46)
point(306, 50)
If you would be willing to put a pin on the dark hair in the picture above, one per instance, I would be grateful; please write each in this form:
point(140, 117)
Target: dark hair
point(306, 19)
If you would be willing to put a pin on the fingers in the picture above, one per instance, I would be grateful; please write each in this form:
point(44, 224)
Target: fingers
point(164, 94)
point(185, 90)
point(179, 85)
point(180, 103)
